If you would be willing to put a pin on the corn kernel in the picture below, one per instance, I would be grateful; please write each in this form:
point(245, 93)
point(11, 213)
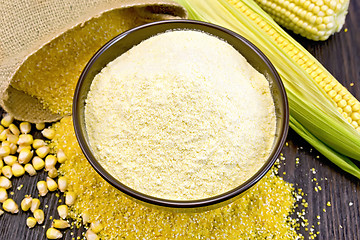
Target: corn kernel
point(7, 120)
point(13, 148)
point(31, 222)
point(12, 138)
point(18, 170)
point(1, 164)
point(51, 184)
point(342, 92)
point(347, 109)
point(63, 211)
point(42, 151)
point(347, 97)
point(61, 157)
point(342, 103)
point(327, 88)
point(40, 126)
point(53, 172)
point(5, 143)
point(60, 224)
point(7, 172)
point(49, 133)
point(29, 168)
point(3, 195)
point(37, 143)
point(356, 107)
point(22, 147)
point(5, 182)
point(4, 151)
point(14, 129)
point(1, 128)
point(39, 216)
point(4, 134)
point(96, 226)
point(50, 162)
point(25, 139)
point(10, 160)
point(25, 127)
point(10, 206)
point(352, 101)
point(349, 119)
point(38, 163)
point(26, 203)
point(90, 235)
point(337, 98)
point(25, 156)
point(53, 233)
point(354, 124)
point(35, 204)
point(332, 93)
point(355, 116)
point(70, 198)
point(85, 217)
point(62, 183)
point(345, 115)
point(42, 188)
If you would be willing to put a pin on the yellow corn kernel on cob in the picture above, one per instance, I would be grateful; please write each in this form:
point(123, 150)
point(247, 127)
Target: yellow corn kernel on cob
point(313, 19)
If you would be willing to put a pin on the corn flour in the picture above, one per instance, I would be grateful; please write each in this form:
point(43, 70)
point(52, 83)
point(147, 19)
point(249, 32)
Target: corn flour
point(181, 116)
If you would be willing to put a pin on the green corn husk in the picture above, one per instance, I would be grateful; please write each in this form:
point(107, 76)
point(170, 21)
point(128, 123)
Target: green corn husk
point(313, 114)
point(340, 160)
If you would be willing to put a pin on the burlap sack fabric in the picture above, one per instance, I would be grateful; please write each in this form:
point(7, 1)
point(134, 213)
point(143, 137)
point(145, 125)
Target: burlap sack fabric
point(28, 25)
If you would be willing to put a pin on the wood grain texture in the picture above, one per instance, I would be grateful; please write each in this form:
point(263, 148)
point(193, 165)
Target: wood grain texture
point(341, 56)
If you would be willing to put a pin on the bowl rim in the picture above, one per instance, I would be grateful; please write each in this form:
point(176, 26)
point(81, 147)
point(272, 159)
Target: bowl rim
point(198, 203)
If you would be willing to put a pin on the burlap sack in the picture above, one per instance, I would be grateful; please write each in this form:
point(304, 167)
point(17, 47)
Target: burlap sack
point(26, 26)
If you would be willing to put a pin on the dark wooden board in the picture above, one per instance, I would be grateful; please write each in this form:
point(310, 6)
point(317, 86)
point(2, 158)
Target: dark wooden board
point(341, 56)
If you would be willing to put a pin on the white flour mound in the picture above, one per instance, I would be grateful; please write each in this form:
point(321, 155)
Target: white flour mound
point(181, 116)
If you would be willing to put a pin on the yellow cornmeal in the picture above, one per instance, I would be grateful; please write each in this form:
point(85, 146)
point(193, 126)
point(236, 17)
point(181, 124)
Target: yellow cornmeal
point(52, 72)
point(262, 213)
point(181, 116)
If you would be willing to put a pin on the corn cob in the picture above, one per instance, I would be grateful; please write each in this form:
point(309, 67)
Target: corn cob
point(318, 103)
point(313, 19)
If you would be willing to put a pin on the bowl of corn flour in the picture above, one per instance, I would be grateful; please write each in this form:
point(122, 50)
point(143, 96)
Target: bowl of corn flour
point(180, 114)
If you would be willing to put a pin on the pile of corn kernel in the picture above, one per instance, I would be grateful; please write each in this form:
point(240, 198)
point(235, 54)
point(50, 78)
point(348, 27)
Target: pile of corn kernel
point(262, 213)
point(21, 153)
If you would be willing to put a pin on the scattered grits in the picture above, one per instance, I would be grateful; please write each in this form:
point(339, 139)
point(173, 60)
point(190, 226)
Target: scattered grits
point(181, 116)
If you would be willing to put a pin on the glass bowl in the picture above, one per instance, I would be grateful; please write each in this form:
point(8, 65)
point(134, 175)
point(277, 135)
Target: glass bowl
point(127, 40)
